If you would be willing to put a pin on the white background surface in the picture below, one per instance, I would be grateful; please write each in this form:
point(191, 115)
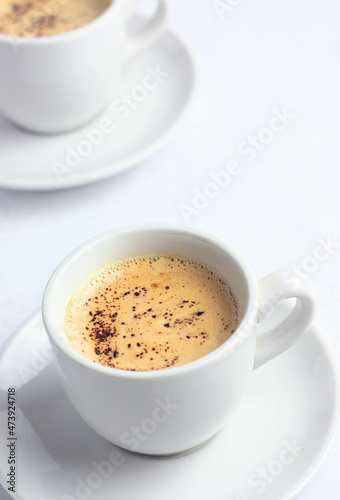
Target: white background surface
point(262, 56)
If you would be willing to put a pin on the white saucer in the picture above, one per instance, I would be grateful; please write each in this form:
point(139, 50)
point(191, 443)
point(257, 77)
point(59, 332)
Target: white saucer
point(286, 426)
point(28, 160)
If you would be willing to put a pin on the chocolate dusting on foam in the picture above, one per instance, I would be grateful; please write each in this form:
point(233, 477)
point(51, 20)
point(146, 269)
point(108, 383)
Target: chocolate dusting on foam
point(37, 18)
point(150, 326)
point(28, 19)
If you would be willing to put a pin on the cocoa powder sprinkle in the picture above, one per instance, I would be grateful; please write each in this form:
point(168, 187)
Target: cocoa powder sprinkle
point(189, 317)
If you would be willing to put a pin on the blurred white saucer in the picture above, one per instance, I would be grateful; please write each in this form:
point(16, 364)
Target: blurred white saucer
point(270, 449)
point(147, 107)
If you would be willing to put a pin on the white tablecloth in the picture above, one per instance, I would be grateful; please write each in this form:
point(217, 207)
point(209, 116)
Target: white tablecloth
point(268, 99)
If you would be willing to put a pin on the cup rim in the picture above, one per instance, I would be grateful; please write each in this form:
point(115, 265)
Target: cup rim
point(231, 344)
point(68, 35)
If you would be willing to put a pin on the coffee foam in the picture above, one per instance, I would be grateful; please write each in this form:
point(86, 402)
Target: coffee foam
point(36, 18)
point(150, 313)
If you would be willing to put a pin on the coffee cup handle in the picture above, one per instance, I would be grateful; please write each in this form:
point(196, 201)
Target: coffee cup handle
point(150, 32)
point(281, 323)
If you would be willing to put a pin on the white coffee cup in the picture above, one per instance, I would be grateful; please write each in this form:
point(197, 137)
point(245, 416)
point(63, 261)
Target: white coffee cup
point(175, 409)
point(57, 83)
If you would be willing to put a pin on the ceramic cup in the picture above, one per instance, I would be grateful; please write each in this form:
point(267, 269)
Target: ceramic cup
point(57, 83)
point(172, 410)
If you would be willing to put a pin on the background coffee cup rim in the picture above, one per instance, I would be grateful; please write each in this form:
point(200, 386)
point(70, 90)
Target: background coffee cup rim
point(230, 345)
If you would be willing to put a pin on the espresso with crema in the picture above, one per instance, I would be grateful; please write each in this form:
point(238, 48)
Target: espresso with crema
point(150, 313)
point(37, 18)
